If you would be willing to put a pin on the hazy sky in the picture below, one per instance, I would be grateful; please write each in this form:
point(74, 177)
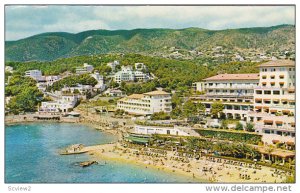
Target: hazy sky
point(24, 21)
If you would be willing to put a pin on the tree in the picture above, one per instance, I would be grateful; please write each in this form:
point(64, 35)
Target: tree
point(189, 109)
point(224, 124)
point(176, 112)
point(113, 84)
point(216, 108)
point(160, 116)
point(25, 101)
point(201, 107)
point(250, 127)
point(239, 126)
point(76, 91)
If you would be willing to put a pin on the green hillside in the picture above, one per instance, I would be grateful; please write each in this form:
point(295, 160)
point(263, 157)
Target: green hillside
point(51, 46)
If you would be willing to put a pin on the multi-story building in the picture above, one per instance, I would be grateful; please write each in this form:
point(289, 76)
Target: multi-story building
point(35, 74)
point(267, 99)
point(100, 81)
point(44, 81)
point(274, 101)
point(64, 104)
point(113, 65)
point(147, 103)
point(85, 69)
point(127, 74)
point(235, 91)
point(79, 88)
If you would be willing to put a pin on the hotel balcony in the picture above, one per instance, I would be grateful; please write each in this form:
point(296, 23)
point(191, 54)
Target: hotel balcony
point(231, 87)
point(276, 124)
point(224, 94)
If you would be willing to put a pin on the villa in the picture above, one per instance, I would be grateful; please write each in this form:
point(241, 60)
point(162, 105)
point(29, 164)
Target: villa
point(147, 103)
point(127, 74)
point(35, 74)
point(42, 81)
point(85, 69)
point(113, 65)
point(100, 81)
point(65, 104)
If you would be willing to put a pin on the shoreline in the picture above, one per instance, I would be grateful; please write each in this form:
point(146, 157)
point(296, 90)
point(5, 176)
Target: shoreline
point(193, 169)
point(217, 172)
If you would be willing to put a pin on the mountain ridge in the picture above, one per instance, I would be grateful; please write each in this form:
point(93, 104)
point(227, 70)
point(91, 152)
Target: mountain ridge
point(53, 45)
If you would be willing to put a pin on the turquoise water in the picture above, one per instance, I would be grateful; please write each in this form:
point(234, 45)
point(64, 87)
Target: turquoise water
point(31, 156)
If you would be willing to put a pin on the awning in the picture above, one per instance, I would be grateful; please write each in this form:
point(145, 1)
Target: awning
point(272, 82)
point(275, 99)
point(264, 76)
point(293, 124)
point(285, 111)
point(291, 90)
point(266, 107)
point(258, 107)
point(281, 76)
point(268, 121)
point(275, 141)
point(267, 99)
point(258, 99)
point(290, 143)
point(273, 110)
point(272, 76)
point(278, 122)
point(264, 83)
point(284, 100)
point(291, 100)
point(281, 82)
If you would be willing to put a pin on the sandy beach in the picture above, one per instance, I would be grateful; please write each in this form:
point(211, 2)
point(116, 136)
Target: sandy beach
point(203, 170)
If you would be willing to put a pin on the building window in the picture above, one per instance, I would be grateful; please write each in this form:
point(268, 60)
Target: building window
point(272, 83)
point(276, 92)
point(281, 84)
point(258, 92)
point(281, 76)
point(264, 77)
point(267, 92)
point(273, 77)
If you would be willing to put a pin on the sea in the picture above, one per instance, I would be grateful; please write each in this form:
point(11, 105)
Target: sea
point(32, 156)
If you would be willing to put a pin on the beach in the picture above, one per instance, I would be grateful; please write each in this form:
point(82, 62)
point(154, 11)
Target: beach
point(203, 170)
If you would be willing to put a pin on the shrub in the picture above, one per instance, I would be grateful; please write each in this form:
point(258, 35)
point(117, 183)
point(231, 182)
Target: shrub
point(239, 126)
point(231, 136)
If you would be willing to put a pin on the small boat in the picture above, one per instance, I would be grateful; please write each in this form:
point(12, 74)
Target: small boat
point(73, 149)
point(87, 163)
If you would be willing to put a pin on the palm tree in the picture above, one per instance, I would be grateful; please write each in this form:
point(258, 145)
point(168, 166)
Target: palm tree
point(269, 150)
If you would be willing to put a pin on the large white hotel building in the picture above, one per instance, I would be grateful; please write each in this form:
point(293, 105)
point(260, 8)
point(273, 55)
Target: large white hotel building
point(266, 99)
point(147, 103)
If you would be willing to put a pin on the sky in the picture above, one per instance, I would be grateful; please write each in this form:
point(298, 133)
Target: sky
point(25, 21)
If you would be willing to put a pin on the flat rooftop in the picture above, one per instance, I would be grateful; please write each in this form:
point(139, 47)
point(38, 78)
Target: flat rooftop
point(278, 63)
point(234, 77)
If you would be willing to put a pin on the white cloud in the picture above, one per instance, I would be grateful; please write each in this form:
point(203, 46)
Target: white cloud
point(24, 20)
